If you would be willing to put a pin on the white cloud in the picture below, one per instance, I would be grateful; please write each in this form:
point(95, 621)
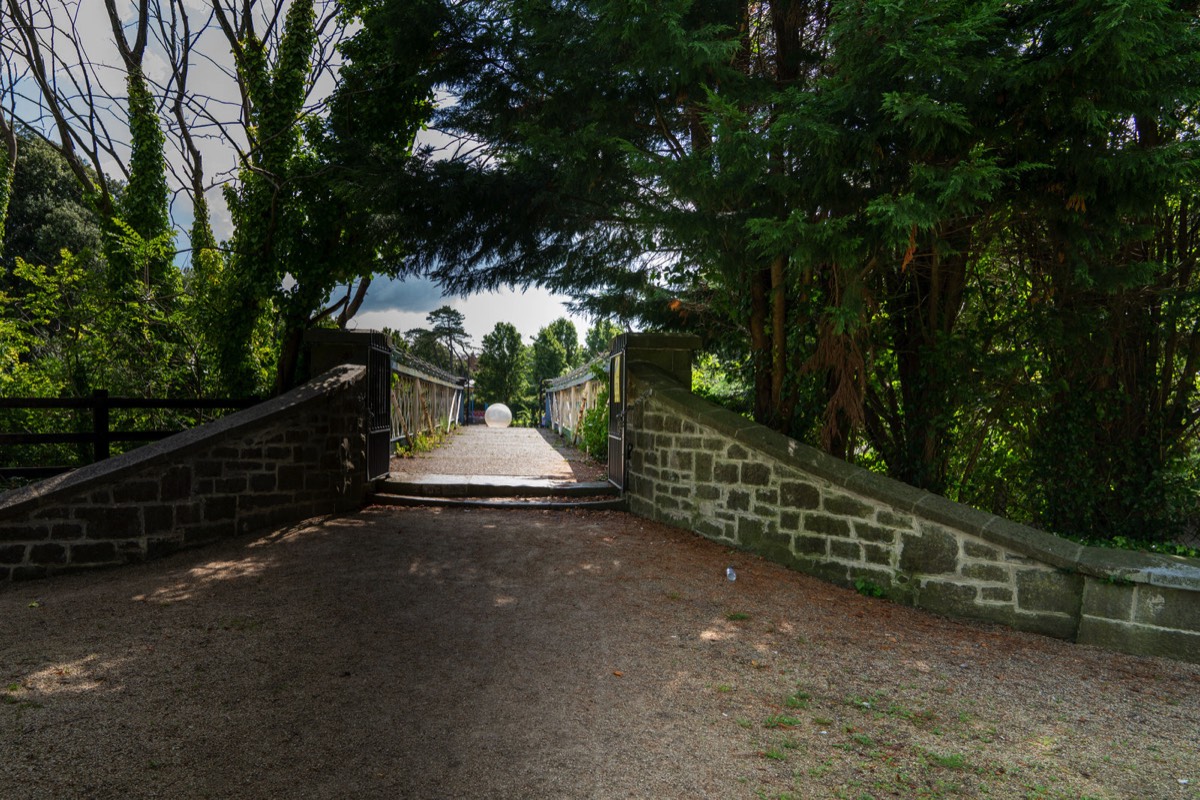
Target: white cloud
point(528, 311)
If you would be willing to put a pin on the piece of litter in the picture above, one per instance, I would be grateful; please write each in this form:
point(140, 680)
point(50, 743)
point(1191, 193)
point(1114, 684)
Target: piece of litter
point(730, 574)
point(824, 733)
point(1183, 781)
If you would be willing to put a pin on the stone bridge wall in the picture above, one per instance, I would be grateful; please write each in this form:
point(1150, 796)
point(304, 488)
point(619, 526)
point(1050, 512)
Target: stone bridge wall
point(700, 467)
point(299, 455)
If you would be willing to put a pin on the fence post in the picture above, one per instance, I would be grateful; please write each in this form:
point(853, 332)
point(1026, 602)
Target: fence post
point(100, 440)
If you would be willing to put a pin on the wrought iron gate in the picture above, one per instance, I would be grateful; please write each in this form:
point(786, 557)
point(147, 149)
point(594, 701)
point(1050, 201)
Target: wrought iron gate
point(616, 414)
point(379, 405)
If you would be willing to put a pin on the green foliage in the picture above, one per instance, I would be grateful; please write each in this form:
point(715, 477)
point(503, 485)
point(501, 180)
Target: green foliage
point(503, 364)
point(143, 204)
point(598, 338)
point(594, 428)
point(47, 210)
point(64, 334)
point(869, 588)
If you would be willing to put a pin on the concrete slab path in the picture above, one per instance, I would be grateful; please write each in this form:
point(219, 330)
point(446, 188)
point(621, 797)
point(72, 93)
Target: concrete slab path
point(477, 450)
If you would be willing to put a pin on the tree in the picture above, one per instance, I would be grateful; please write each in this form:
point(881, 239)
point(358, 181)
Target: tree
point(503, 362)
point(564, 330)
point(940, 233)
point(599, 338)
point(446, 324)
point(548, 358)
point(47, 212)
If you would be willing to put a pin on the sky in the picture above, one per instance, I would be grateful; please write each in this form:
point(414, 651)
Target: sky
point(402, 305)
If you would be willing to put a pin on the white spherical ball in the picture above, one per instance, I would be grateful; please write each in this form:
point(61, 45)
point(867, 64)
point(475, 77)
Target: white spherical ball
point(497, 415)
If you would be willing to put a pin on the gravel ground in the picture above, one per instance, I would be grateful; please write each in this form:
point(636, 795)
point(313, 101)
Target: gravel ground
point(518, 654)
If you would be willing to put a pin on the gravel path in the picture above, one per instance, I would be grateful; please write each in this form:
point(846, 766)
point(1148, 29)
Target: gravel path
point(523, 452)
point(518, 654)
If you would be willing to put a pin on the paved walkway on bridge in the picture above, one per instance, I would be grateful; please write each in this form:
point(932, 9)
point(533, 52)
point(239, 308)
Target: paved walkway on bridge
point(478, 450)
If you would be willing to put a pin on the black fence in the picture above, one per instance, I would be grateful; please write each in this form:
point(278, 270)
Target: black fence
point(101, 436)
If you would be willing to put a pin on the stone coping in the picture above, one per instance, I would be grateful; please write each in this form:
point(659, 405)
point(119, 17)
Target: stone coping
point(166, 451)
point(1153, 569)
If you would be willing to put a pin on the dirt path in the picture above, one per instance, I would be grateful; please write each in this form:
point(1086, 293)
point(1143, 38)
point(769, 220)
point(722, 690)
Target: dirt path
point(520, 654)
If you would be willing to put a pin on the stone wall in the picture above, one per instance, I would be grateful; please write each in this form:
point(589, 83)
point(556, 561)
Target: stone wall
point(299, 455)
point(700, 467)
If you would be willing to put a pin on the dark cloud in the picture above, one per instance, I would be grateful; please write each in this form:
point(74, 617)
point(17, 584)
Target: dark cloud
point(409, 294)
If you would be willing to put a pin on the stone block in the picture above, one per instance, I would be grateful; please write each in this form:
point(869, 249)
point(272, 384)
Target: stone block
point(995, 594)
point(874, 533)
point(703, 464)
point(933, 551)
point(11, 554)
point(846, 506)
point(27, 532)
point(1168, 608)
point(754, 474)
point(93, 553)
point(736, 452)
point(774, 547)
point(689, 442)
point(237, 484)
point(136, 491)
point(845, 549)
point(738, 500)
point(158, 518)
point(794, 494)
point(666, 503)
point(681, 460)
point(893, 519)
point(159, 546)
point(789, 520)
point(712, 529)
point(707, 492)
point(1108, 600)
point(263, 483)
point(812, 545)
point(951, 599)
point(973, 549)
point(877, 554)
point(681, 491)
point(219, 509)
point(254, 502)
point(725, 473)
point(291, 478)
point(176, 484)
point(749, 530)
point(1127, 637)
point(986, 572)
point(116, 522)
point(65, 531)
point(829, 526)
point(1042, 590)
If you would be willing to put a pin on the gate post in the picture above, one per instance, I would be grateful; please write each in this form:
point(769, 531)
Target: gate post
point(671, 353)
point(332, 348)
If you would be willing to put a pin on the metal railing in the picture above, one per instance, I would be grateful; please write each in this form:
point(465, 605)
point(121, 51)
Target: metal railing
point(571, 396)
point(424, 399)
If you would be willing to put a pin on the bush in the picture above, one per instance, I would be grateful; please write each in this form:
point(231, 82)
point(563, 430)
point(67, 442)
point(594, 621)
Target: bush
point(594, 430)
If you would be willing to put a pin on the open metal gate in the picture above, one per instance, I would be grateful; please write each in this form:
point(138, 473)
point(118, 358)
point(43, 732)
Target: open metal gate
point(616, 414)
point(379, 406)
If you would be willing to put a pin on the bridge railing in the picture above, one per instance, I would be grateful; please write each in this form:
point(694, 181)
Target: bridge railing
point(570, 397)
point(425, 399)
